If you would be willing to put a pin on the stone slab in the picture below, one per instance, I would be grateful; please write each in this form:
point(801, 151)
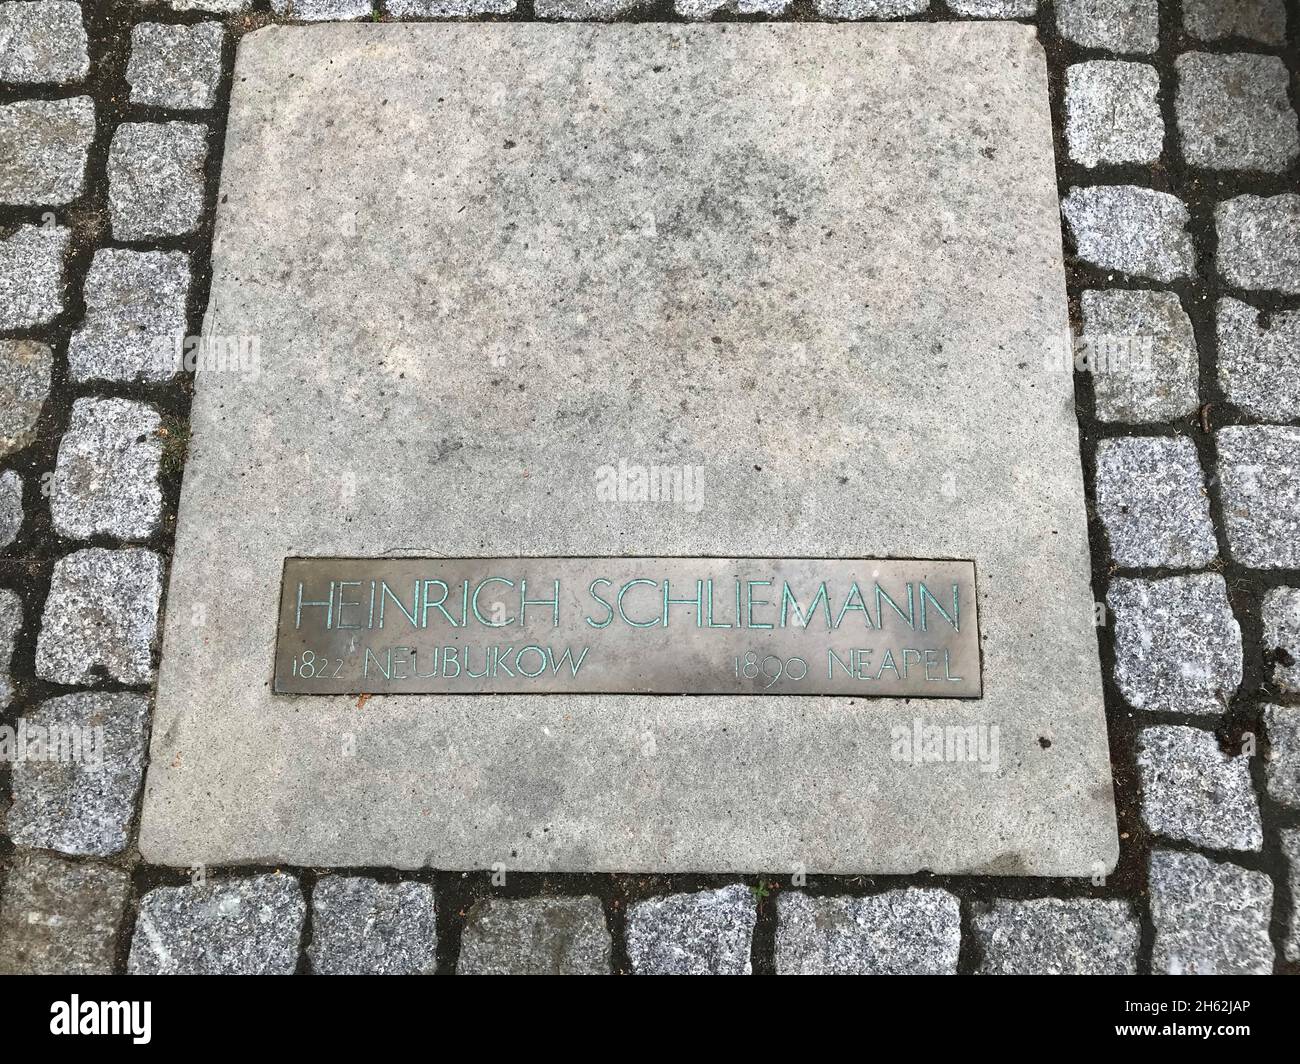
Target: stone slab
point(486, 261)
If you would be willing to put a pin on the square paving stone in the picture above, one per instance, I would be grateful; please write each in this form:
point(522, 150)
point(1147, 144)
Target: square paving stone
point(106, 479)
point(1151, 498)
point(1133, 230)
point(1142, 355)
point(1259, 359)
point(1234, 112)
point(60, 918)
point(155, 179)
point(1291, 852)
point(535, 936)
point(177, 67)
point(1259, 474)
point(25, 367)
point(709, 932)
point(850, 9)
point(101, 618)
point(247, 926)
point(1211, 918)
point(31, 278)
point(1112, 113)
point(1051, 936)
point(135, 316)
point(587, 10)
point(1256, 20)
point(1259, 242)
point(703, 9)
point(326, 10)
point(42, 41)
point(11, 620)
point(1281, 616)
point(80, 797)
point(216, 7)
point(488, 255)
point(1177, 643)
point(46, 144)
point(916, 931)
point(1193, 791)
point(1283, 768)
point(11, 504)
point(995, 8)
point(448, 8)
point(1110, 25)
point(362, 927)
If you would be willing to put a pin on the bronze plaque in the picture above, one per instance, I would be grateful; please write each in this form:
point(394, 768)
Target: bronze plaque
point(790, 626)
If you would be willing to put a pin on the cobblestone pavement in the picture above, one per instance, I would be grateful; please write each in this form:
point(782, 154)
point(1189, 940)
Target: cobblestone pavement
point(1177, 159)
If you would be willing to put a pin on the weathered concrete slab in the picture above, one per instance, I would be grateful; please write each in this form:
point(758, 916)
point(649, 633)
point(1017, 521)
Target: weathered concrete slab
point(486, 264)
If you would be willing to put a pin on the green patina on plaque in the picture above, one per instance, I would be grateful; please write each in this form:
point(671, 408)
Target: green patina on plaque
point(628, 625)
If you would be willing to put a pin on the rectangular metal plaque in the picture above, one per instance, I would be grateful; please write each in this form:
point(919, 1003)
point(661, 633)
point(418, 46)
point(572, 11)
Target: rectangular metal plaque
point(863, 627)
